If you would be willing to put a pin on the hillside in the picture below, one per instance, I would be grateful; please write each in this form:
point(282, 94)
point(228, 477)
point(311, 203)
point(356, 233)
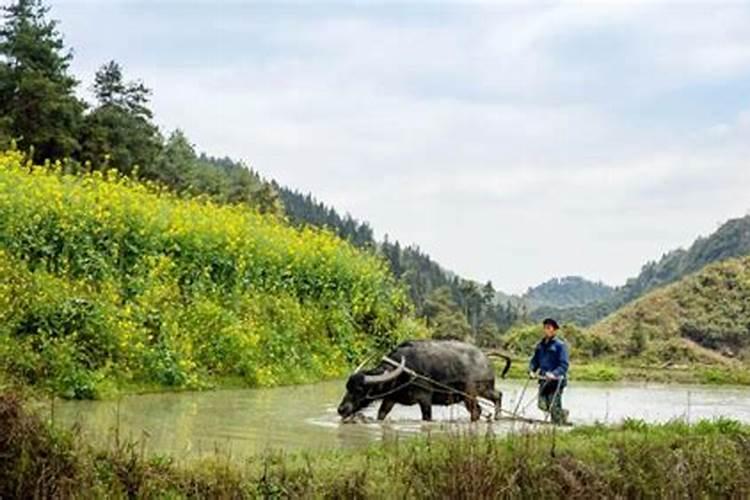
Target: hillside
point(105, 281)
point(732, 239)
point(454, 305)
point(704, 315)
point(304, 209)
point(568, 291)
point(696, 330)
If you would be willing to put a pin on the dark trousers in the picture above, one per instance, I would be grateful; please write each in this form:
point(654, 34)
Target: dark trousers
point(550, 400)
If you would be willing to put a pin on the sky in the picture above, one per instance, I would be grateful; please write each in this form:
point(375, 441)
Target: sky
point(512, 142)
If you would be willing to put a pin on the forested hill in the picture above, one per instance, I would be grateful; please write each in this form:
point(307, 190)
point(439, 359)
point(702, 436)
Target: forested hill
point(568, 291)
point(731, 239)
point(453, 306)
point(706, 314)
point(302, 209)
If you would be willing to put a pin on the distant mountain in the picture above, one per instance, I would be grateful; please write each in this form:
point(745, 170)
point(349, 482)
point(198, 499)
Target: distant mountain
point(732, 239)
point(568, 291)
point(706, 314)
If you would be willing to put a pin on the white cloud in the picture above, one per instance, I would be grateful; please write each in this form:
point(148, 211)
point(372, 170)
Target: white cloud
point(511, 142)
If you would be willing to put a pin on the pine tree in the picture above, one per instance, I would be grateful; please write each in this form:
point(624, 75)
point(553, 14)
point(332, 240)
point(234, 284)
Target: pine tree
point(38, 105)
point(175, 162)
point(119, 132)
point(488, 294)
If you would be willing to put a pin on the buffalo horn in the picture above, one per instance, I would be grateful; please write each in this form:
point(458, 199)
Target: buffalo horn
point(386, 376)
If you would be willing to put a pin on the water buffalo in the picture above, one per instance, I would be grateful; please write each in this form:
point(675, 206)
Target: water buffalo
point(450, 363)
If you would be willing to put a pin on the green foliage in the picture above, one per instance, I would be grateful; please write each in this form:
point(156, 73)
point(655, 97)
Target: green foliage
point(111, 90)
point(180, 168)
point(488, 335)
point(444, 316)
point(118, 133)
point(38, 105)
point(522, 339)
point(596, 345)
point(103, 278)
point(424, 278)
point(596, 372)
point(450, 325)
point(718, 375)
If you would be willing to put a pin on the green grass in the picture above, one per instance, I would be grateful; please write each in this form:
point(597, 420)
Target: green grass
point(617, 370)
point(633, 460)
point(596, 372)
point(713, 375)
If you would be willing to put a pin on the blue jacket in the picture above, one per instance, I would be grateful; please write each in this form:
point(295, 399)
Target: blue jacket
point(551, 357)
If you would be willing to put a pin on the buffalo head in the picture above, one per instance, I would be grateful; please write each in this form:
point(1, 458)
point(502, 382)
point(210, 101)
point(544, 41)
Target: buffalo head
point(362, 388)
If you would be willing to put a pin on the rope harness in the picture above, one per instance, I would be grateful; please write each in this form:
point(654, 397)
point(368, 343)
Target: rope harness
point(389, 392)
point(480, 400)
point(520, 398)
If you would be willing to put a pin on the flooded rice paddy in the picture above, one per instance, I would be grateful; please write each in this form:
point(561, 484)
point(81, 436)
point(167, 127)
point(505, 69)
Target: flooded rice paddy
point(244, 422)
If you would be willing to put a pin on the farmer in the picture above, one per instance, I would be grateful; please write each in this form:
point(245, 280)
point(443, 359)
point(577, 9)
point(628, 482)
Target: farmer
point(550, 365)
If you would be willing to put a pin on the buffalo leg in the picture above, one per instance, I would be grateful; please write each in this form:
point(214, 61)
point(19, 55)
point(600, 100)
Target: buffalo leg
point(426, 407)
point(385, 408)
point(473, 406)
point(498, 404)
point(497, 399)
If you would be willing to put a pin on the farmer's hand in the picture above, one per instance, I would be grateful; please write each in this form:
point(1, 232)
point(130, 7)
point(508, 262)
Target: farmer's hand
point(532, 374)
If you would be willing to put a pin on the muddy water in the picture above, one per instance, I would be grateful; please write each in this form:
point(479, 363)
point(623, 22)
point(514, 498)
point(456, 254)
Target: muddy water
point(245, 422)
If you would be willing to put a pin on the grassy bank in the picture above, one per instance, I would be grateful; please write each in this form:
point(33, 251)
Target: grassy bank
point(635, 460)
point(107, 283)
point(617, 370)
